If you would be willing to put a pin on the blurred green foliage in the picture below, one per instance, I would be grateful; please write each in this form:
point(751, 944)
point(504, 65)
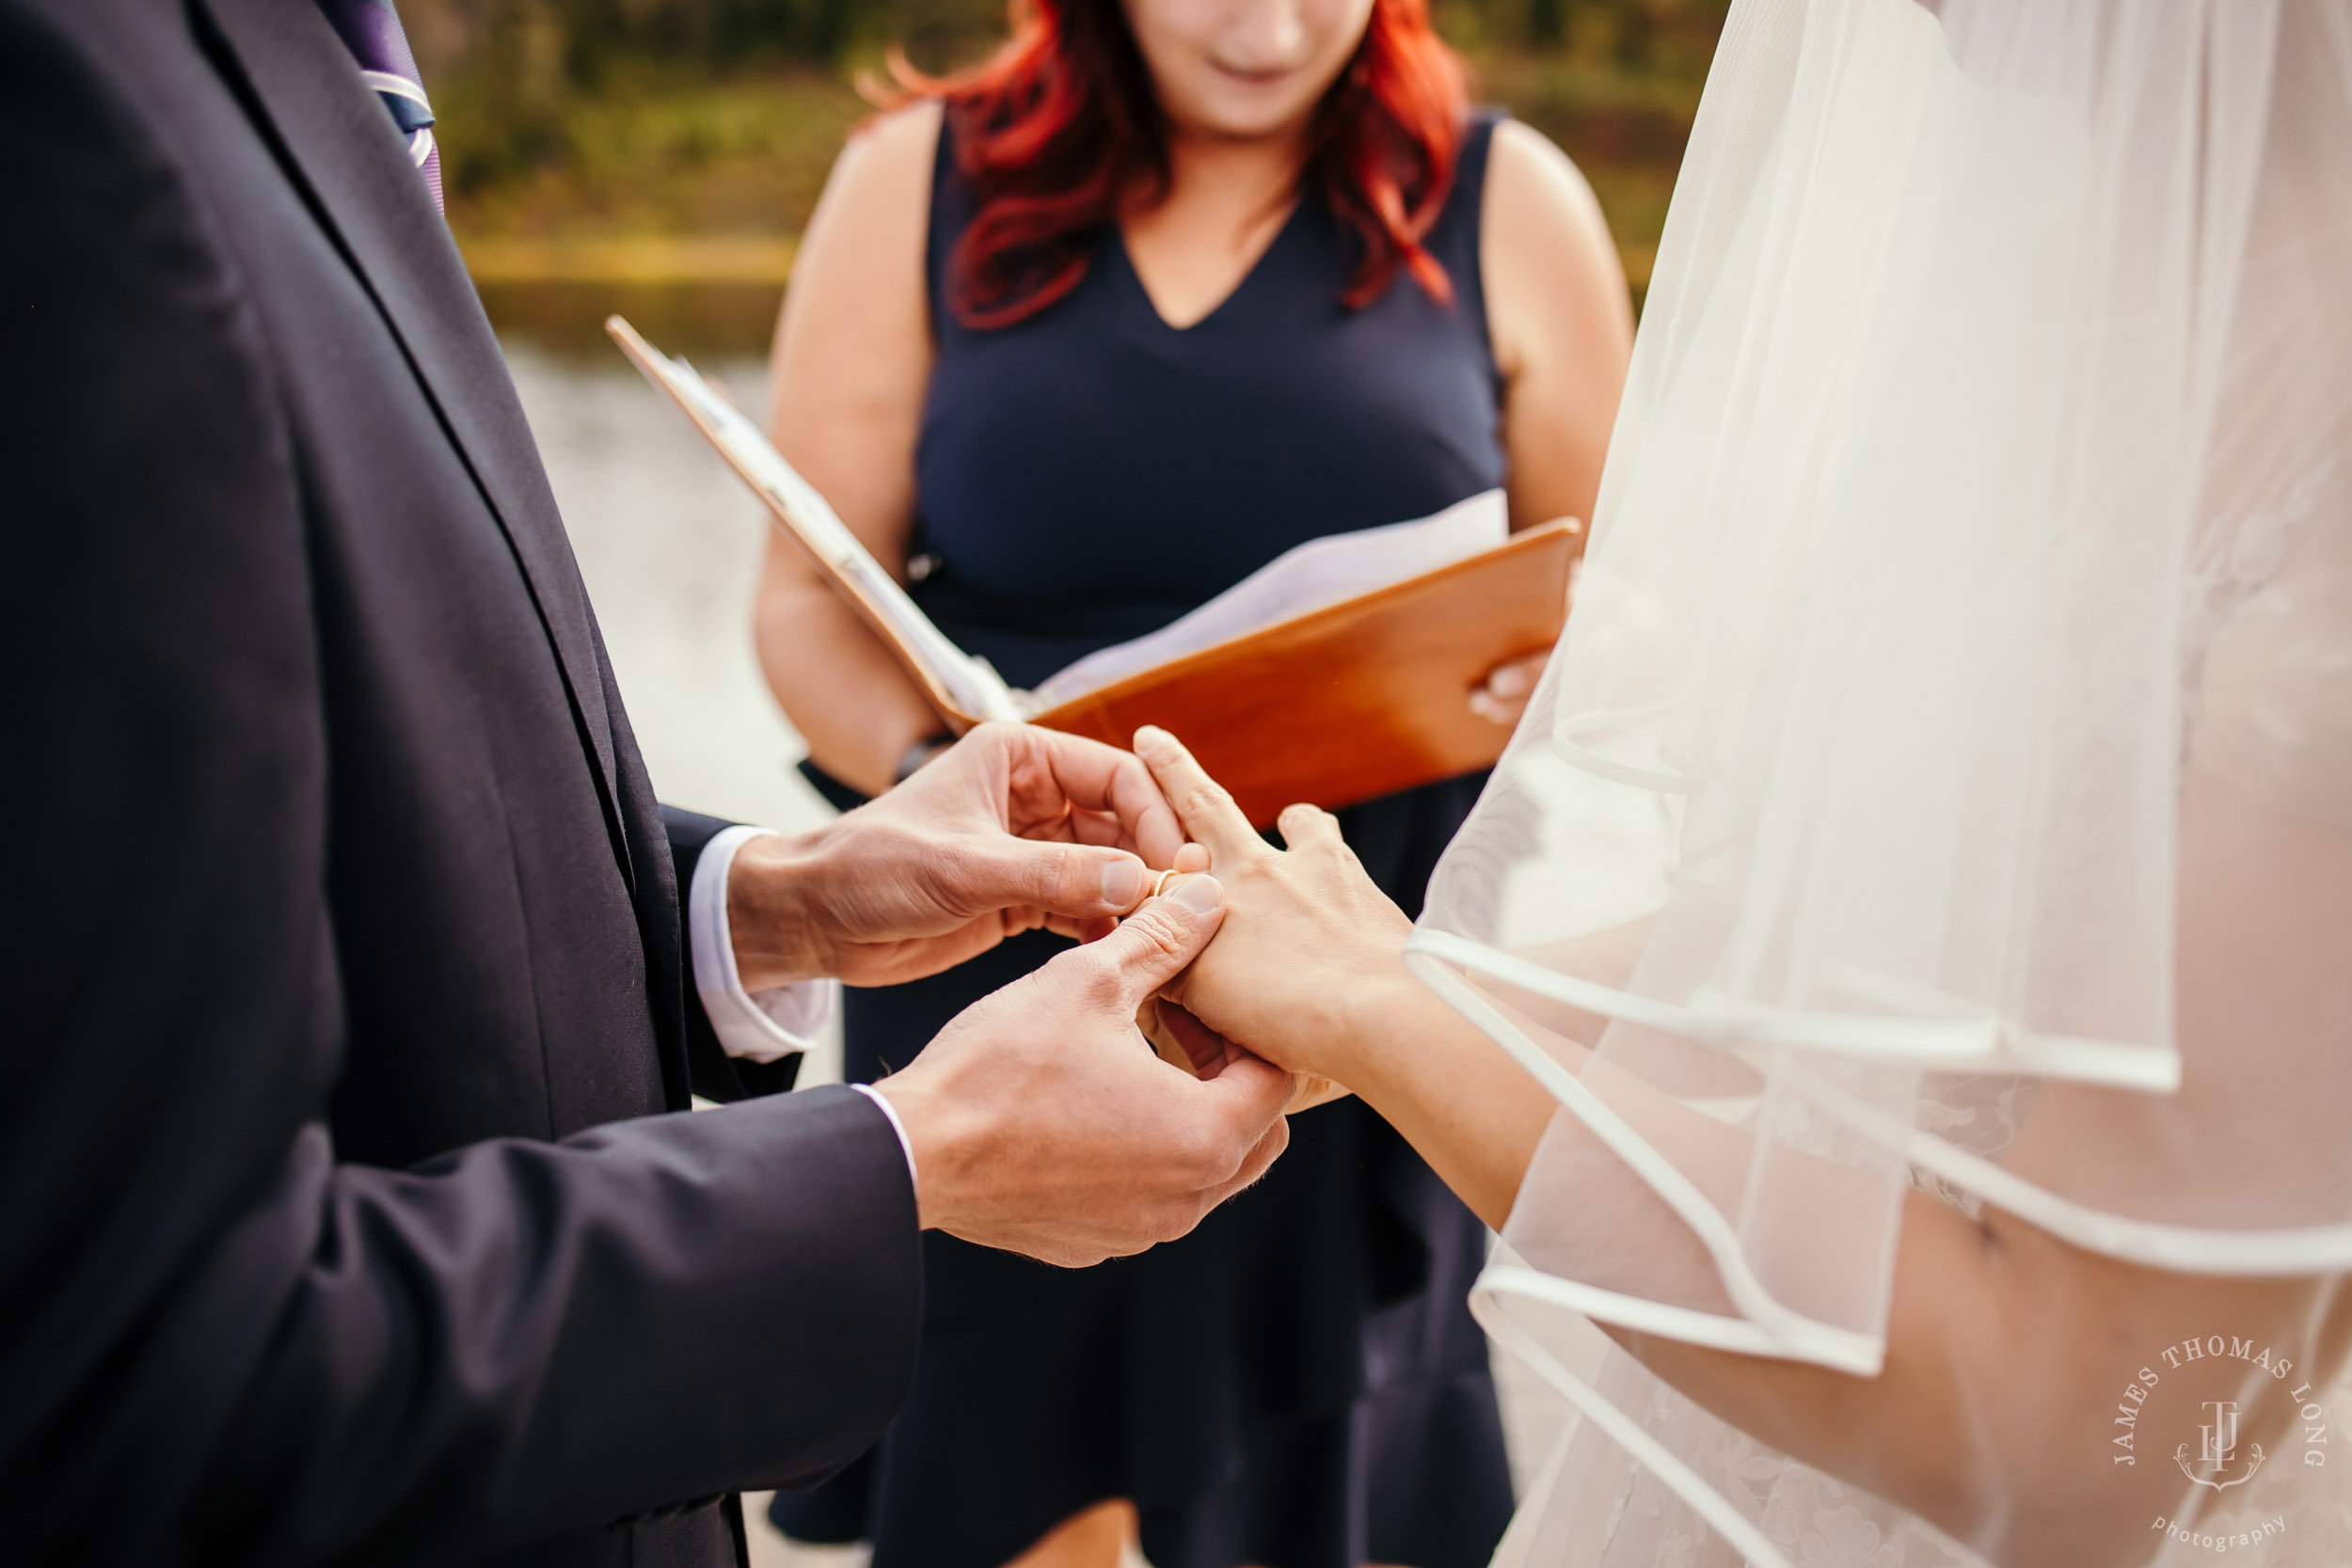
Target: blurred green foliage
point(722, 115)
point(518, 83)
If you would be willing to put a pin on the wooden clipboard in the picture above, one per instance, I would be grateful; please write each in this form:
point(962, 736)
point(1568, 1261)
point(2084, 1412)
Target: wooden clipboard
point(1338, 705)
point(1356, 700)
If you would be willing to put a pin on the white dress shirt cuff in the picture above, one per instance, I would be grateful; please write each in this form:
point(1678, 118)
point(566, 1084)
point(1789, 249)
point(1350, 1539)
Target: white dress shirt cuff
point(896, 1125)
point(760, 1026)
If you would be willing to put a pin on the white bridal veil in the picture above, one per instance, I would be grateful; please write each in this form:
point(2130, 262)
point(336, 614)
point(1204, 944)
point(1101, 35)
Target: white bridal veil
point(1946, 778)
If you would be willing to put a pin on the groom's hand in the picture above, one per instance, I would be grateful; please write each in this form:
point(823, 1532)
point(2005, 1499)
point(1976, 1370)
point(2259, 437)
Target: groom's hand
point(1011, 828)
point(1041, 1122)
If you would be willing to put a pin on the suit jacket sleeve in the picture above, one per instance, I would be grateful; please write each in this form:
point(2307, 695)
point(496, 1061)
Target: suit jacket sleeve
point(715, 1074)
point(218, 1342)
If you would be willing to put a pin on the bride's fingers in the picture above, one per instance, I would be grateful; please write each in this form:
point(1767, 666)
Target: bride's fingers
point(1303, 825)
point(1209, 815)
point(1192, 859)
point(1207, 1051)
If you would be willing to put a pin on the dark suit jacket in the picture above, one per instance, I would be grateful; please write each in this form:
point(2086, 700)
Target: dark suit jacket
point(340, 976)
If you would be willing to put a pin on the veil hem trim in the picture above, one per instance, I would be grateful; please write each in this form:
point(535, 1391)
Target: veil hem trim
point(2186, 1249)
point(1708, 1502)
point(2181, 1248)
point(1844, 1350)
point(1984, 1044)
point(1792, 1334)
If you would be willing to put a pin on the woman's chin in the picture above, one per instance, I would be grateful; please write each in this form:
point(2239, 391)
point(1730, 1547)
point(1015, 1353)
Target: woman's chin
point(1237, 109)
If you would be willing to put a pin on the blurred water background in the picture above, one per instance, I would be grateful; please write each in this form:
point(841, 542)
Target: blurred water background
point(658, 158)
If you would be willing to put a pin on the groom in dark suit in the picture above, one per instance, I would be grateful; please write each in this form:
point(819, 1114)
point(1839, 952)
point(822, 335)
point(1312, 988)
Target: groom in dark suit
point(349, 966)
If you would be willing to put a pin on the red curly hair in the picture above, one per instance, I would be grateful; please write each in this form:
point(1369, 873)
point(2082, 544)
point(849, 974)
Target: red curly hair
point(1061, 125)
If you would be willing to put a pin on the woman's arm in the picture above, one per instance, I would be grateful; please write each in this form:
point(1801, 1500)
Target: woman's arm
point(852, 361)
point(1559, 319)
point(2007, 1348)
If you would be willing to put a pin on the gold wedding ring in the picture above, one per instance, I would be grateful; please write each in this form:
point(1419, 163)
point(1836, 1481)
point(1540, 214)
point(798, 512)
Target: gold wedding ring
point(1159, 886)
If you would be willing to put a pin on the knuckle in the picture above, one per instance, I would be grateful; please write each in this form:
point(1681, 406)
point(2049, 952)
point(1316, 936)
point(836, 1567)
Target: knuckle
point(1160, 932)
point(1057, 874)
point(960, 867)
point(1099, 987)
point(1202, 1158)
point(1205, 794)
point(1078, 975)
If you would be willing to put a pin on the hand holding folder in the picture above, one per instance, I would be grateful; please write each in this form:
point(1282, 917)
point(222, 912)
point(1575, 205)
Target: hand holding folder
point(1338, 705)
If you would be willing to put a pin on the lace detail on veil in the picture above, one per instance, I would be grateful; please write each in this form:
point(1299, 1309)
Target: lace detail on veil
point(2233, 560)
point(1811, 1519)
point(1979, 1114)
point(1818, 1522)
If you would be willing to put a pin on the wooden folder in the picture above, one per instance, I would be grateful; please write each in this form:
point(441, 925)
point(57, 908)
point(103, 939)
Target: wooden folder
point(1340, 705)
point(1356, 700)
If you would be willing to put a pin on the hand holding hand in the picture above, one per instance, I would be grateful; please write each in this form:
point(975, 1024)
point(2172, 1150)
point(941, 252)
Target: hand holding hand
point(1185, 1042)
point(1042, 1123)
point(1011, 828)
point(1306, 941)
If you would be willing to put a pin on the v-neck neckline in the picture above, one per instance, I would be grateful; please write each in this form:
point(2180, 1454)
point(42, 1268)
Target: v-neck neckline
point(1241, 284)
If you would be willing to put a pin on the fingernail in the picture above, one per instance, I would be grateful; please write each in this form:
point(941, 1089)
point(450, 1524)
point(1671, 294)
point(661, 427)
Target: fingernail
point(1122, 883)
point(1151, 735)
point(1201, 894)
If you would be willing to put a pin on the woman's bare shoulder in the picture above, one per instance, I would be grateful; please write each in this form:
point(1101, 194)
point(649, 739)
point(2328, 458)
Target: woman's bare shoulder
point(885, 167)
point(1539, 203)
point(861, 261)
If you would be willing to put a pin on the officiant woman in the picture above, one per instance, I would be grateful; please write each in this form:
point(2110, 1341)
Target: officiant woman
point(1078, 341)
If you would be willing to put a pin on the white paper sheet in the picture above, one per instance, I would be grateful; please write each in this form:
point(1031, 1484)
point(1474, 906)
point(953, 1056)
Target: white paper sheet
point(1318, 573)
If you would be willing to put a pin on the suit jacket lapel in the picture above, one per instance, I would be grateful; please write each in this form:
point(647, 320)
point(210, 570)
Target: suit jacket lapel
point(341, 147)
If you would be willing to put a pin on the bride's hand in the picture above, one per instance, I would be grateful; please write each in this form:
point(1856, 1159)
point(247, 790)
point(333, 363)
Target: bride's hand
point(1308, 941)
point(1184, 1041)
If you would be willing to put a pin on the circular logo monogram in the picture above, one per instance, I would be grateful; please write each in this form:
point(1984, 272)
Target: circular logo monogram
point(2188, 1407)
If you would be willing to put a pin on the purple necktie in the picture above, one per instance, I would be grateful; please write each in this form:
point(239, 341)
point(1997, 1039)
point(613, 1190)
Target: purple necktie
point(371, 29)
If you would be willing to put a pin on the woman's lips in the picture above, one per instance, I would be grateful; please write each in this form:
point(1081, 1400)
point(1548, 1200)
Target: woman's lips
point(1253, 78)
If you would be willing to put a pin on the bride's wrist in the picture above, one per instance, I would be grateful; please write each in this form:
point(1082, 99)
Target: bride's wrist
point(1365, 1019)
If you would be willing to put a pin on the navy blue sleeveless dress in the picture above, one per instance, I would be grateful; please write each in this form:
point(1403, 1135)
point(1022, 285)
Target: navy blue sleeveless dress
point(1298, 1383)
